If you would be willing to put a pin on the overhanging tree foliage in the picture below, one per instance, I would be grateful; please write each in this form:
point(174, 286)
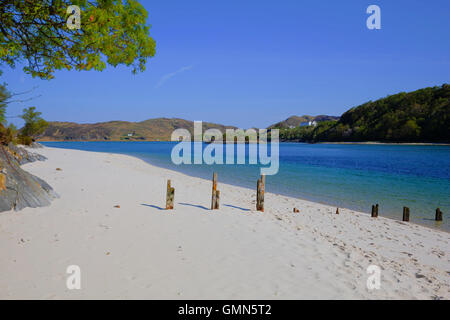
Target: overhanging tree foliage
point(36, 32)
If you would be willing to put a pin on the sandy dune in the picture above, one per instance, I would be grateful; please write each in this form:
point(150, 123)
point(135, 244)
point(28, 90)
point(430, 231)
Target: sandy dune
point(141, 251)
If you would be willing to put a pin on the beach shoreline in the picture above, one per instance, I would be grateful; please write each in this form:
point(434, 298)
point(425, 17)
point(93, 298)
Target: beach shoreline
point(391, 143)
point(142, 251)
point(318, 190)
point(323, 203)
point(282, 141)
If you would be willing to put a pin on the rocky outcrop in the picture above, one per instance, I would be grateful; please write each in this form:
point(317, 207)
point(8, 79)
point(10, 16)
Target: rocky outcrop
point(23, 156)
point(18, 188)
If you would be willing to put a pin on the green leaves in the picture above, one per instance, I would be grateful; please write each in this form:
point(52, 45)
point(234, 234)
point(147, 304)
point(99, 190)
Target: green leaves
point(4, 96)
point(112, 32)
point(34, 124)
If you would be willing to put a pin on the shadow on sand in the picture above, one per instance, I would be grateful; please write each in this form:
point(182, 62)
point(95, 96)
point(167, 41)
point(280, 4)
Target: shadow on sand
point(236, 207)
point(152, 206)
point(193, 205)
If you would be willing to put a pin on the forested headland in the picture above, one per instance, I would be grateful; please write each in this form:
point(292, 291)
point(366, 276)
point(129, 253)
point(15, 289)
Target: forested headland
point(418, 116)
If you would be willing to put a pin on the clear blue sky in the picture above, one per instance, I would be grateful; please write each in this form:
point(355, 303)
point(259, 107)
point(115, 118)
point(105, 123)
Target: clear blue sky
point(253, 63)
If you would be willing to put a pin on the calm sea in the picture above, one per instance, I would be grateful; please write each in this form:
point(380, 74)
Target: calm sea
point(347, 176)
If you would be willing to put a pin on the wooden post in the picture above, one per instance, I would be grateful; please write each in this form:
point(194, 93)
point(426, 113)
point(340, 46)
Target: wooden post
point(261, 195)
point(217, 199)
point(214, 196)
point(438, 215)
point(258, 194)
point(170, 194)
point(376, 209)
point(405, 214)
point(337, 210)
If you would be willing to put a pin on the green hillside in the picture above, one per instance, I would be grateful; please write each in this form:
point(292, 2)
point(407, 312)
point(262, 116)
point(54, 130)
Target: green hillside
point(295, 121)
point(418, 116)
point(159, 129)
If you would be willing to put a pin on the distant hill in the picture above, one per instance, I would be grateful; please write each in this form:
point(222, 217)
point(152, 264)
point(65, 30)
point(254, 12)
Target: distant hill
point(418, 116)
point(159, 129)
point(294, 121)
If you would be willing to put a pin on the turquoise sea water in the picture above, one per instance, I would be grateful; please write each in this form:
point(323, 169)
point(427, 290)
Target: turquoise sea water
point(348, 176)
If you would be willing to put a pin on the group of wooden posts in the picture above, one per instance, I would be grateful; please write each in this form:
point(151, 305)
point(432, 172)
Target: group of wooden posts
point(260, 189)
point(438, 216)
point(215, 194)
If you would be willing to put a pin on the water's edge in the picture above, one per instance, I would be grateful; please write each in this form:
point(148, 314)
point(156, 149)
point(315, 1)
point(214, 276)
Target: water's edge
point(435, 226)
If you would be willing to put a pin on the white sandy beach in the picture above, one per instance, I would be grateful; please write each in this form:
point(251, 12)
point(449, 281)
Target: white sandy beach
point(140, 251)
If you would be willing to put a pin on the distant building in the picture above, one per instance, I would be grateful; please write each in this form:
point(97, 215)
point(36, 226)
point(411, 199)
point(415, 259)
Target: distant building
point(130, 134)
point(308, 124)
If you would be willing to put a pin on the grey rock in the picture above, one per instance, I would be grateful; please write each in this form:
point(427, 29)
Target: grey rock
point(23, 156)
point(36, 145)
point(21, 189)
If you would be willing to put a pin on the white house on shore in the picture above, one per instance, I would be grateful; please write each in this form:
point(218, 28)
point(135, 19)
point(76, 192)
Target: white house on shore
point(308, 124)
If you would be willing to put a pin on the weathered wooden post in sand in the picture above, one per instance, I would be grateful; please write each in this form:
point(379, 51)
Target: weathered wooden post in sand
point(170, 194)
point(438, 215)
point(405, 214)
point(215, 198)
point(337, 210)
point(375, 211)
point(260, 189)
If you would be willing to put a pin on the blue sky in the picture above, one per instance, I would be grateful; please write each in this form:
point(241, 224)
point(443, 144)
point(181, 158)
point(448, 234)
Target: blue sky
point(254, 63)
